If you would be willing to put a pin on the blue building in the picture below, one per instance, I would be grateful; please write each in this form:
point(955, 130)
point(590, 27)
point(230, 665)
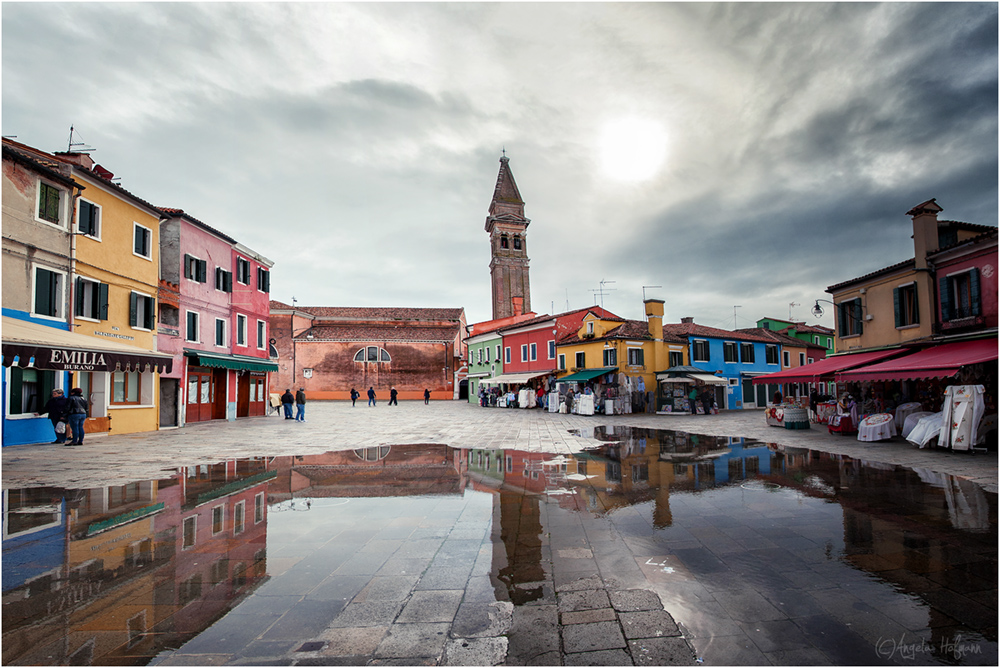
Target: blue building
point(736, 356)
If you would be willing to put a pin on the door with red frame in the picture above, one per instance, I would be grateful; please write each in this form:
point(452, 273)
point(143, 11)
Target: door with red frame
point(244, 388)
point(258, 396)
point(206, 394)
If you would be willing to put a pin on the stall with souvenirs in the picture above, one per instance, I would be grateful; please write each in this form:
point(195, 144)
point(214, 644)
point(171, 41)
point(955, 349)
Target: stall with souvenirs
point(688, 389)
point(938, 396)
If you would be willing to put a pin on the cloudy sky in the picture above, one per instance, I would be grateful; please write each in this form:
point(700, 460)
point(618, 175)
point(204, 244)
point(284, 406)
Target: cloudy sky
point(733, 154)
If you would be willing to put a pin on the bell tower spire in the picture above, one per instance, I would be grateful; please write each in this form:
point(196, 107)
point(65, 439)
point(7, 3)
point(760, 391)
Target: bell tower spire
point(507, 227)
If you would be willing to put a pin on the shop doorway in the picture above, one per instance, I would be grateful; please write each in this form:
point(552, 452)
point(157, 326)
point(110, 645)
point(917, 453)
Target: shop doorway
point(206, 395)
point(168, 402)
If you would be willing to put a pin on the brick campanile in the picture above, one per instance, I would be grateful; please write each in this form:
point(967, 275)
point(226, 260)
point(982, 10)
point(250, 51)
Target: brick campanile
point(507, 227)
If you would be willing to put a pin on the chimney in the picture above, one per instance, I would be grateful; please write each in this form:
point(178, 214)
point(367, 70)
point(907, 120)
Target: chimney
point(687, 321)
point(81, 159)
point(925, 230)
point(518, 303)
point(654, 317)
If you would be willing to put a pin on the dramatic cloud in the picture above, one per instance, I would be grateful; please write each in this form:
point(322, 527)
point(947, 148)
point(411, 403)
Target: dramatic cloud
point(356, 145)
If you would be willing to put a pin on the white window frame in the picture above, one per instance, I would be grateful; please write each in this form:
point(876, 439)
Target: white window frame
point(61, 290)
point(241, 330)
point(100, 219)
point(786, 359)
point(802, 359)
point(263, 271)
point(487, 348)
point(150, 248)
point(552, 349)
point(261, 334)
point(197, 316)
point(222, 512)
point(534, 352)
point(694, 348)
point(590, 327)
point(628, 356)
point(152, 304)
point(498, 352)
point(506, 355)
point(259, 508)
point(239, 526)
point(225, 332)
point(240, 260)
point(562, 361)
point(96, 285)
point(63, 198)
point(524, 352)
point(194, 534)
point(479, 356)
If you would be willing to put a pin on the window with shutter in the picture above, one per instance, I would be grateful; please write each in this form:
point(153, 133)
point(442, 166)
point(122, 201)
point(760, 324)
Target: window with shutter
point(48, 203)
point(90, 216)
point(142, 245)
point(48, 293)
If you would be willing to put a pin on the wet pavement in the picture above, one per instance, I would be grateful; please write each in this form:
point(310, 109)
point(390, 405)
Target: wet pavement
point(454, 535)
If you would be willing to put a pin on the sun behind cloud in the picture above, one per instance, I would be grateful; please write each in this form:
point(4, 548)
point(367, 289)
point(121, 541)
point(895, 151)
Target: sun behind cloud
point(632, 149)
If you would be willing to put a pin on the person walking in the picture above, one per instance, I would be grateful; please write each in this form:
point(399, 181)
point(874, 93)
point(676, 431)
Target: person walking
point(300, 405)
point(693, 399)
point(354, 396)
point(371, 396)
point(77, 414)
point(707, 400)
point(427, 396)
point(56, 407)
point(392, 397)
point(287, 399)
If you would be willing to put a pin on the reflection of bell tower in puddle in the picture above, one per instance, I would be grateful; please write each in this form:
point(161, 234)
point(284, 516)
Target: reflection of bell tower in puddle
point(521, 538)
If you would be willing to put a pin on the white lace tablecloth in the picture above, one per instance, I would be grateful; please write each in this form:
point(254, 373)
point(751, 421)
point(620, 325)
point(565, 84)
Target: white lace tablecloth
point(903, 410)
point(911, 422)
point(927, 430)
point(877, 427)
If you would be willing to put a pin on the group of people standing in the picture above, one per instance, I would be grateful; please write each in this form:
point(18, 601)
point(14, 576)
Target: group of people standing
point(299, 400)
point(393, 396)
point(706, 398)
point(67, 415)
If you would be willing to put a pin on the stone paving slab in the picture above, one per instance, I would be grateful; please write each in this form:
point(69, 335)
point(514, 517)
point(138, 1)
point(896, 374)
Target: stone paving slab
point(334, 425)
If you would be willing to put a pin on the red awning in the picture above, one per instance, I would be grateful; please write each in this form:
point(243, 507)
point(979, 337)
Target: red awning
point(825, 368)
point(941, 361)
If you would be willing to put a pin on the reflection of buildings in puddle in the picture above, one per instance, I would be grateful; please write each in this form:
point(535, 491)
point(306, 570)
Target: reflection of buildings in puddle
point(400, 470)
point(127, 560)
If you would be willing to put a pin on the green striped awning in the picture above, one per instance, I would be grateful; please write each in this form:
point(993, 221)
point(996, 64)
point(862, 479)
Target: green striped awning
point(586, 374)
point(239, 362)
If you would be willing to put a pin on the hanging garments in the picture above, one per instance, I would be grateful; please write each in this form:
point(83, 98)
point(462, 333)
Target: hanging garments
point(963, 410)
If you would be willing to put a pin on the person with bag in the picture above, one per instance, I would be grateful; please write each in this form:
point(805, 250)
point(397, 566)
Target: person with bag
point(57, 407)
point(354, 395)
point(77, 414)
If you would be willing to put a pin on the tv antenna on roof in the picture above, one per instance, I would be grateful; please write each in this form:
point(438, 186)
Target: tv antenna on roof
point(77, 147)
point(601, 292)
point(790, 305)
point(734, 316)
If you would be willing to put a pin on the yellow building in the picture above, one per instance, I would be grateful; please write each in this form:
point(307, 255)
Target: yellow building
point(114, 288)
point(633, 350)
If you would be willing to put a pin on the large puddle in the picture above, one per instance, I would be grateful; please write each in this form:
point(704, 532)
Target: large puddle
point(763, 554)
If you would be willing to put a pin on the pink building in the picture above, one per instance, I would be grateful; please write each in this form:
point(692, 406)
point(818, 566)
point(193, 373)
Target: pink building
point(966, 273)
point(213, 320)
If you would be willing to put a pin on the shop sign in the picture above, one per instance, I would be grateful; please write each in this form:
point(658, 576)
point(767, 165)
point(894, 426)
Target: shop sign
point(76, 360)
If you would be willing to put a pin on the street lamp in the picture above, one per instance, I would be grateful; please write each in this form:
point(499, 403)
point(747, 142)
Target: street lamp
point(817, 310)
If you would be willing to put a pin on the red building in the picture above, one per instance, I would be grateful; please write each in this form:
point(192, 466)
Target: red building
point(330, 349)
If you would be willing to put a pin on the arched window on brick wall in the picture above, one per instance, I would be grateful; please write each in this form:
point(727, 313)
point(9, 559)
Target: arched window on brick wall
point(372, 354)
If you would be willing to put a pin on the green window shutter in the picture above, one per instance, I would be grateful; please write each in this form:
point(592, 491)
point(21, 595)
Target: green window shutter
point(944, 292)
point(187, 266)
point(895, 306)
point(859, 324)
point(916, 306)
point(138, 245)
point(150, 313)
point(78, 302)
point(133, 309)
point(201, 268)
point(88, 218)
point(975, 293)
point(45, 292)
point(102, 303)
point(48, 203)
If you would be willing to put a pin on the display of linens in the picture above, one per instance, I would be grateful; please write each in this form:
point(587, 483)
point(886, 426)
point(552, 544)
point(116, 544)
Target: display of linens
point(963, 409)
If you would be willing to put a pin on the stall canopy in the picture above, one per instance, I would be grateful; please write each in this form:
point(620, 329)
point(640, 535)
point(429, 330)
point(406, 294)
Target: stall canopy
point(826, 368)
point(30, 344)
point(237, 362)
point(514, 378)
point(685, 374)
point(940, 361)
point(587, 374)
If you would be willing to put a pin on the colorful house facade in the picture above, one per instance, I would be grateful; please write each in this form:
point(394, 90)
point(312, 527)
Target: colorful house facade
point(737, 357)
point(210, 321)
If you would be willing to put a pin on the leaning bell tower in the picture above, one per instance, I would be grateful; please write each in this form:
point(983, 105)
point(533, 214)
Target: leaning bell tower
point(507, 227)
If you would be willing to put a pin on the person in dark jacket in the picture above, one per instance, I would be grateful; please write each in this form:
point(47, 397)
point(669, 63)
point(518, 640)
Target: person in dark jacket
point(392, 397)
point(371, 396)
point(57, 407)
point(287, 399)
point(427, 396)
point(77, 414)
point(354, 395)
point(707, 399)
point(300, 405)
